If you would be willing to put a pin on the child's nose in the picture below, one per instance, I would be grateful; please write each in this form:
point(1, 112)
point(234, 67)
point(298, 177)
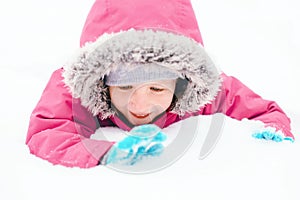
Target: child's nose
point(139, 101)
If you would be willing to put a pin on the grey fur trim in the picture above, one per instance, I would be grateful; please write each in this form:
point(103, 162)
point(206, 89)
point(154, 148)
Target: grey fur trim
point(84, 75)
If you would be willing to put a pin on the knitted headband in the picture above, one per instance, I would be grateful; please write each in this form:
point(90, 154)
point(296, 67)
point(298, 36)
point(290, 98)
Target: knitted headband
point(123, 75)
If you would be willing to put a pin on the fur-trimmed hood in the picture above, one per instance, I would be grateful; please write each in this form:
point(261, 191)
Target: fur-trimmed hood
point(164, 32)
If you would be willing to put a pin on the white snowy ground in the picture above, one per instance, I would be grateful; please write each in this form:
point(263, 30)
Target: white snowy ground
point(256, 41)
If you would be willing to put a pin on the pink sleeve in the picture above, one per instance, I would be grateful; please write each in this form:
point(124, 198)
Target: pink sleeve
point(237, 101)
point(60, 128)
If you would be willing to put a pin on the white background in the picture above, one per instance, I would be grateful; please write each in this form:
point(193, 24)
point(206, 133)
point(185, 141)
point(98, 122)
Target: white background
point(256, 41)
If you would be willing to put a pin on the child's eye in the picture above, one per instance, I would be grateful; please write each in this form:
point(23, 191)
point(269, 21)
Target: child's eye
point(156, 89)
point(127, 87)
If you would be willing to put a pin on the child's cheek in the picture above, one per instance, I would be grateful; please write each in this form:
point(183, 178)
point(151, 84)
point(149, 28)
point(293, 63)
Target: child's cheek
point(164, 101)
point(119, 98)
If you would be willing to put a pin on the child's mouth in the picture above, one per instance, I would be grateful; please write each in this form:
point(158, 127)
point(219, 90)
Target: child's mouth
point(140, 116)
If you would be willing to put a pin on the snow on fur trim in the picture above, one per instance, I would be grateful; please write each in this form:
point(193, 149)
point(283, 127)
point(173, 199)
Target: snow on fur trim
point(84, 75)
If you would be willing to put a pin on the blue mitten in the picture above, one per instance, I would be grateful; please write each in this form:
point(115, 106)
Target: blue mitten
point(272, 134)
point(142, 141)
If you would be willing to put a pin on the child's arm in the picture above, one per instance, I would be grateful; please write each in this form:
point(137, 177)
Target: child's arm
point(238, 101)
point(60, 128)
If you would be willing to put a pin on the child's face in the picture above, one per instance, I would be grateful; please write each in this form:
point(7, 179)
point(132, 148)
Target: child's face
point(141, 103)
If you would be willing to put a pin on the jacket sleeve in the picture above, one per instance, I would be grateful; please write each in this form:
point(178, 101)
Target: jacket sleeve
point(60, 128)
point(237, 101)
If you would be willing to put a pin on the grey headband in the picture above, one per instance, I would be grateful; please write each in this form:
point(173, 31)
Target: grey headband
point(124, 75)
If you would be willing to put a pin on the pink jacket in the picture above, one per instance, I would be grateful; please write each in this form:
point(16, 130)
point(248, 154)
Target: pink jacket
point(63, 120)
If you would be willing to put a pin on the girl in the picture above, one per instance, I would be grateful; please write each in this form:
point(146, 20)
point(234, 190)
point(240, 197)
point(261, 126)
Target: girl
point(140, 62)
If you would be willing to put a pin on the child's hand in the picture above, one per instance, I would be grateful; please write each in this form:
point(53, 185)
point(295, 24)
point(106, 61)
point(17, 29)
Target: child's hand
point(142, 141)
point(272, 134)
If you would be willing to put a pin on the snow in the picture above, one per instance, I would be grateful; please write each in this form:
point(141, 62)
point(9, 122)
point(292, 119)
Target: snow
point(256, 41)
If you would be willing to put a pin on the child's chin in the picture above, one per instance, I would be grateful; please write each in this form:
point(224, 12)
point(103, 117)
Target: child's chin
point(140, 122)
